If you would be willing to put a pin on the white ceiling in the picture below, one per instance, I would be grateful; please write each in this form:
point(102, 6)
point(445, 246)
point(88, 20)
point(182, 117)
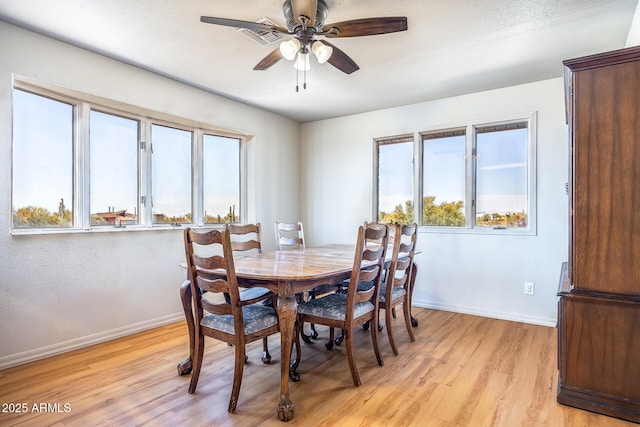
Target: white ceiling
point(451, 47)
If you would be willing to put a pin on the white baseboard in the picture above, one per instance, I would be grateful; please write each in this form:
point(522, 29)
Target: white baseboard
point(77, 343)
point(515, 317)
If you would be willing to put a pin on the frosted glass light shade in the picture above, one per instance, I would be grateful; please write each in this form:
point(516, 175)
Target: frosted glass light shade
point(289, 48)
point(321, 51)
point(302, 62)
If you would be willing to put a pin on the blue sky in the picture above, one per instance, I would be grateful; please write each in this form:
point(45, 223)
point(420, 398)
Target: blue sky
point(501, 171)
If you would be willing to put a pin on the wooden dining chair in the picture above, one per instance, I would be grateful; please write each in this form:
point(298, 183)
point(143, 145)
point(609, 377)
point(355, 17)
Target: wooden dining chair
point(396, 288)
point(348, 310)
point(247, 239)
point(289, 235)
point(236, 323)
point(363, 286)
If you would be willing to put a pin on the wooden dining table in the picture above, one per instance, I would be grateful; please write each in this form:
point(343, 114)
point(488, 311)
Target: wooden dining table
point(286, 273)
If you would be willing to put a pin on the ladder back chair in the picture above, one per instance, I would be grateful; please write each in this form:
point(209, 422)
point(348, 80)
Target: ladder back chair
point(289, 235)
point(236, 323)
point(396, 288)
point(246, 239)
point(348, 310)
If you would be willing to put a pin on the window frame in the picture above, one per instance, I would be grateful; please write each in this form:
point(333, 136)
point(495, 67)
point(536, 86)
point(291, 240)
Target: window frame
point(83, 104)
point(387, 140)
point(470, 133)
point(470, 175)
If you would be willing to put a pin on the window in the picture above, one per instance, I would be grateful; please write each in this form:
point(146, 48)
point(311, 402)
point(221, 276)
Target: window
point(113, 169)
point(171, 178)
point(501, 176)
point(475, 177)
point(43, 135)
point(80, 165)
point(480, 176)
point(221, 183)
point(395, 180)
point(443, 178)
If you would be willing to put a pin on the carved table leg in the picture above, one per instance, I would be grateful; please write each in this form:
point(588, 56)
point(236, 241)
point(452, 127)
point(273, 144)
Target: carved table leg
point(184, 367)
point(287, 309)
point(414, 273)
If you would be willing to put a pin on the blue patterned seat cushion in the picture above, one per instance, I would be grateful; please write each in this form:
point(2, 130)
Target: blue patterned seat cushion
point(251, 293)
point(256, 318)
point(247, 294)
point(396, 292)
point(333, 306)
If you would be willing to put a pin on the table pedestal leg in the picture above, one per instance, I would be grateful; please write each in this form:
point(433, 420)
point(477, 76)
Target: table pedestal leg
point(287, 309)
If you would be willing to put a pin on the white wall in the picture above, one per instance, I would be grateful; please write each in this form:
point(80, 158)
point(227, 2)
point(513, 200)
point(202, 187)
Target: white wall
point(471, 273)
point(59, 292)
point(633, 38)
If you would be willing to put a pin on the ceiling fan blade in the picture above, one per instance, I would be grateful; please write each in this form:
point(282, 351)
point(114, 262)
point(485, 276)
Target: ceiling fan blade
point(269, 60)
point(366, 27)
point(341, 60)
point(256, 26)
point(306, 8)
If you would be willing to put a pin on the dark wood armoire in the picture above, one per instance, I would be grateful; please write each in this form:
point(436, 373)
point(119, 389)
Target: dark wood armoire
point(599, 295)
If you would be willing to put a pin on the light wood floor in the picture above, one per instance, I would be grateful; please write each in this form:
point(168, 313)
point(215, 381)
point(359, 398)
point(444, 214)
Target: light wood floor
point(461, 371)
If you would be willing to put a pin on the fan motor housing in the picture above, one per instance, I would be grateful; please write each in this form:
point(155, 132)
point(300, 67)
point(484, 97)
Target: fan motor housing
point(292, 24)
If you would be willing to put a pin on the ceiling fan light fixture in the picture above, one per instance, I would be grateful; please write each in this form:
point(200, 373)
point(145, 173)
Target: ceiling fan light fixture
point(302, 62)
point(289, 49)
point(322, 51)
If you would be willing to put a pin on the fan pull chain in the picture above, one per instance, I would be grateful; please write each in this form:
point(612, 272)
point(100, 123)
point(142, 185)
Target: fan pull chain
point(305, 79)
point(297, 72)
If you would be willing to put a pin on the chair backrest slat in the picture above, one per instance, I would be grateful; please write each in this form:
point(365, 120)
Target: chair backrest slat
point(209, 262)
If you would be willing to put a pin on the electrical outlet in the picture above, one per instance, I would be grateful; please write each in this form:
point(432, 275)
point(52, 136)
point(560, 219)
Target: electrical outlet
point(528, 288)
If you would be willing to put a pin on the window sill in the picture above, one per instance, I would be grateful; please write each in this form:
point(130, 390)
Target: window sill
point(106, 229)
point(478, 231)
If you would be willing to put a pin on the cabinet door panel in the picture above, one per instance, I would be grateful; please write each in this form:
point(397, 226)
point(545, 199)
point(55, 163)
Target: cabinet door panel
point(606, 191)
point(601, 346)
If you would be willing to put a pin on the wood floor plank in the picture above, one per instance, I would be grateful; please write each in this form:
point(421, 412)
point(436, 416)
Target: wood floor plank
point(462, 370)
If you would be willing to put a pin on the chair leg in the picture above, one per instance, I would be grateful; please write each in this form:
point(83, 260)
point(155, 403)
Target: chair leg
point(237, 377)
point(293, 367)
point(185, 367)
point(374, 340)
point(407, 320)
point(266, 356)
point(414, 272)
point(387, 315)
point(306, 338)
point(197, 362)
point(329, 344)
point(314, 332)
point(352, 361)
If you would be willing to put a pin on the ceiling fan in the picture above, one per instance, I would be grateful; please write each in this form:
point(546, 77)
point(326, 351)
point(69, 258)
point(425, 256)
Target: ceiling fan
point(305, 20)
